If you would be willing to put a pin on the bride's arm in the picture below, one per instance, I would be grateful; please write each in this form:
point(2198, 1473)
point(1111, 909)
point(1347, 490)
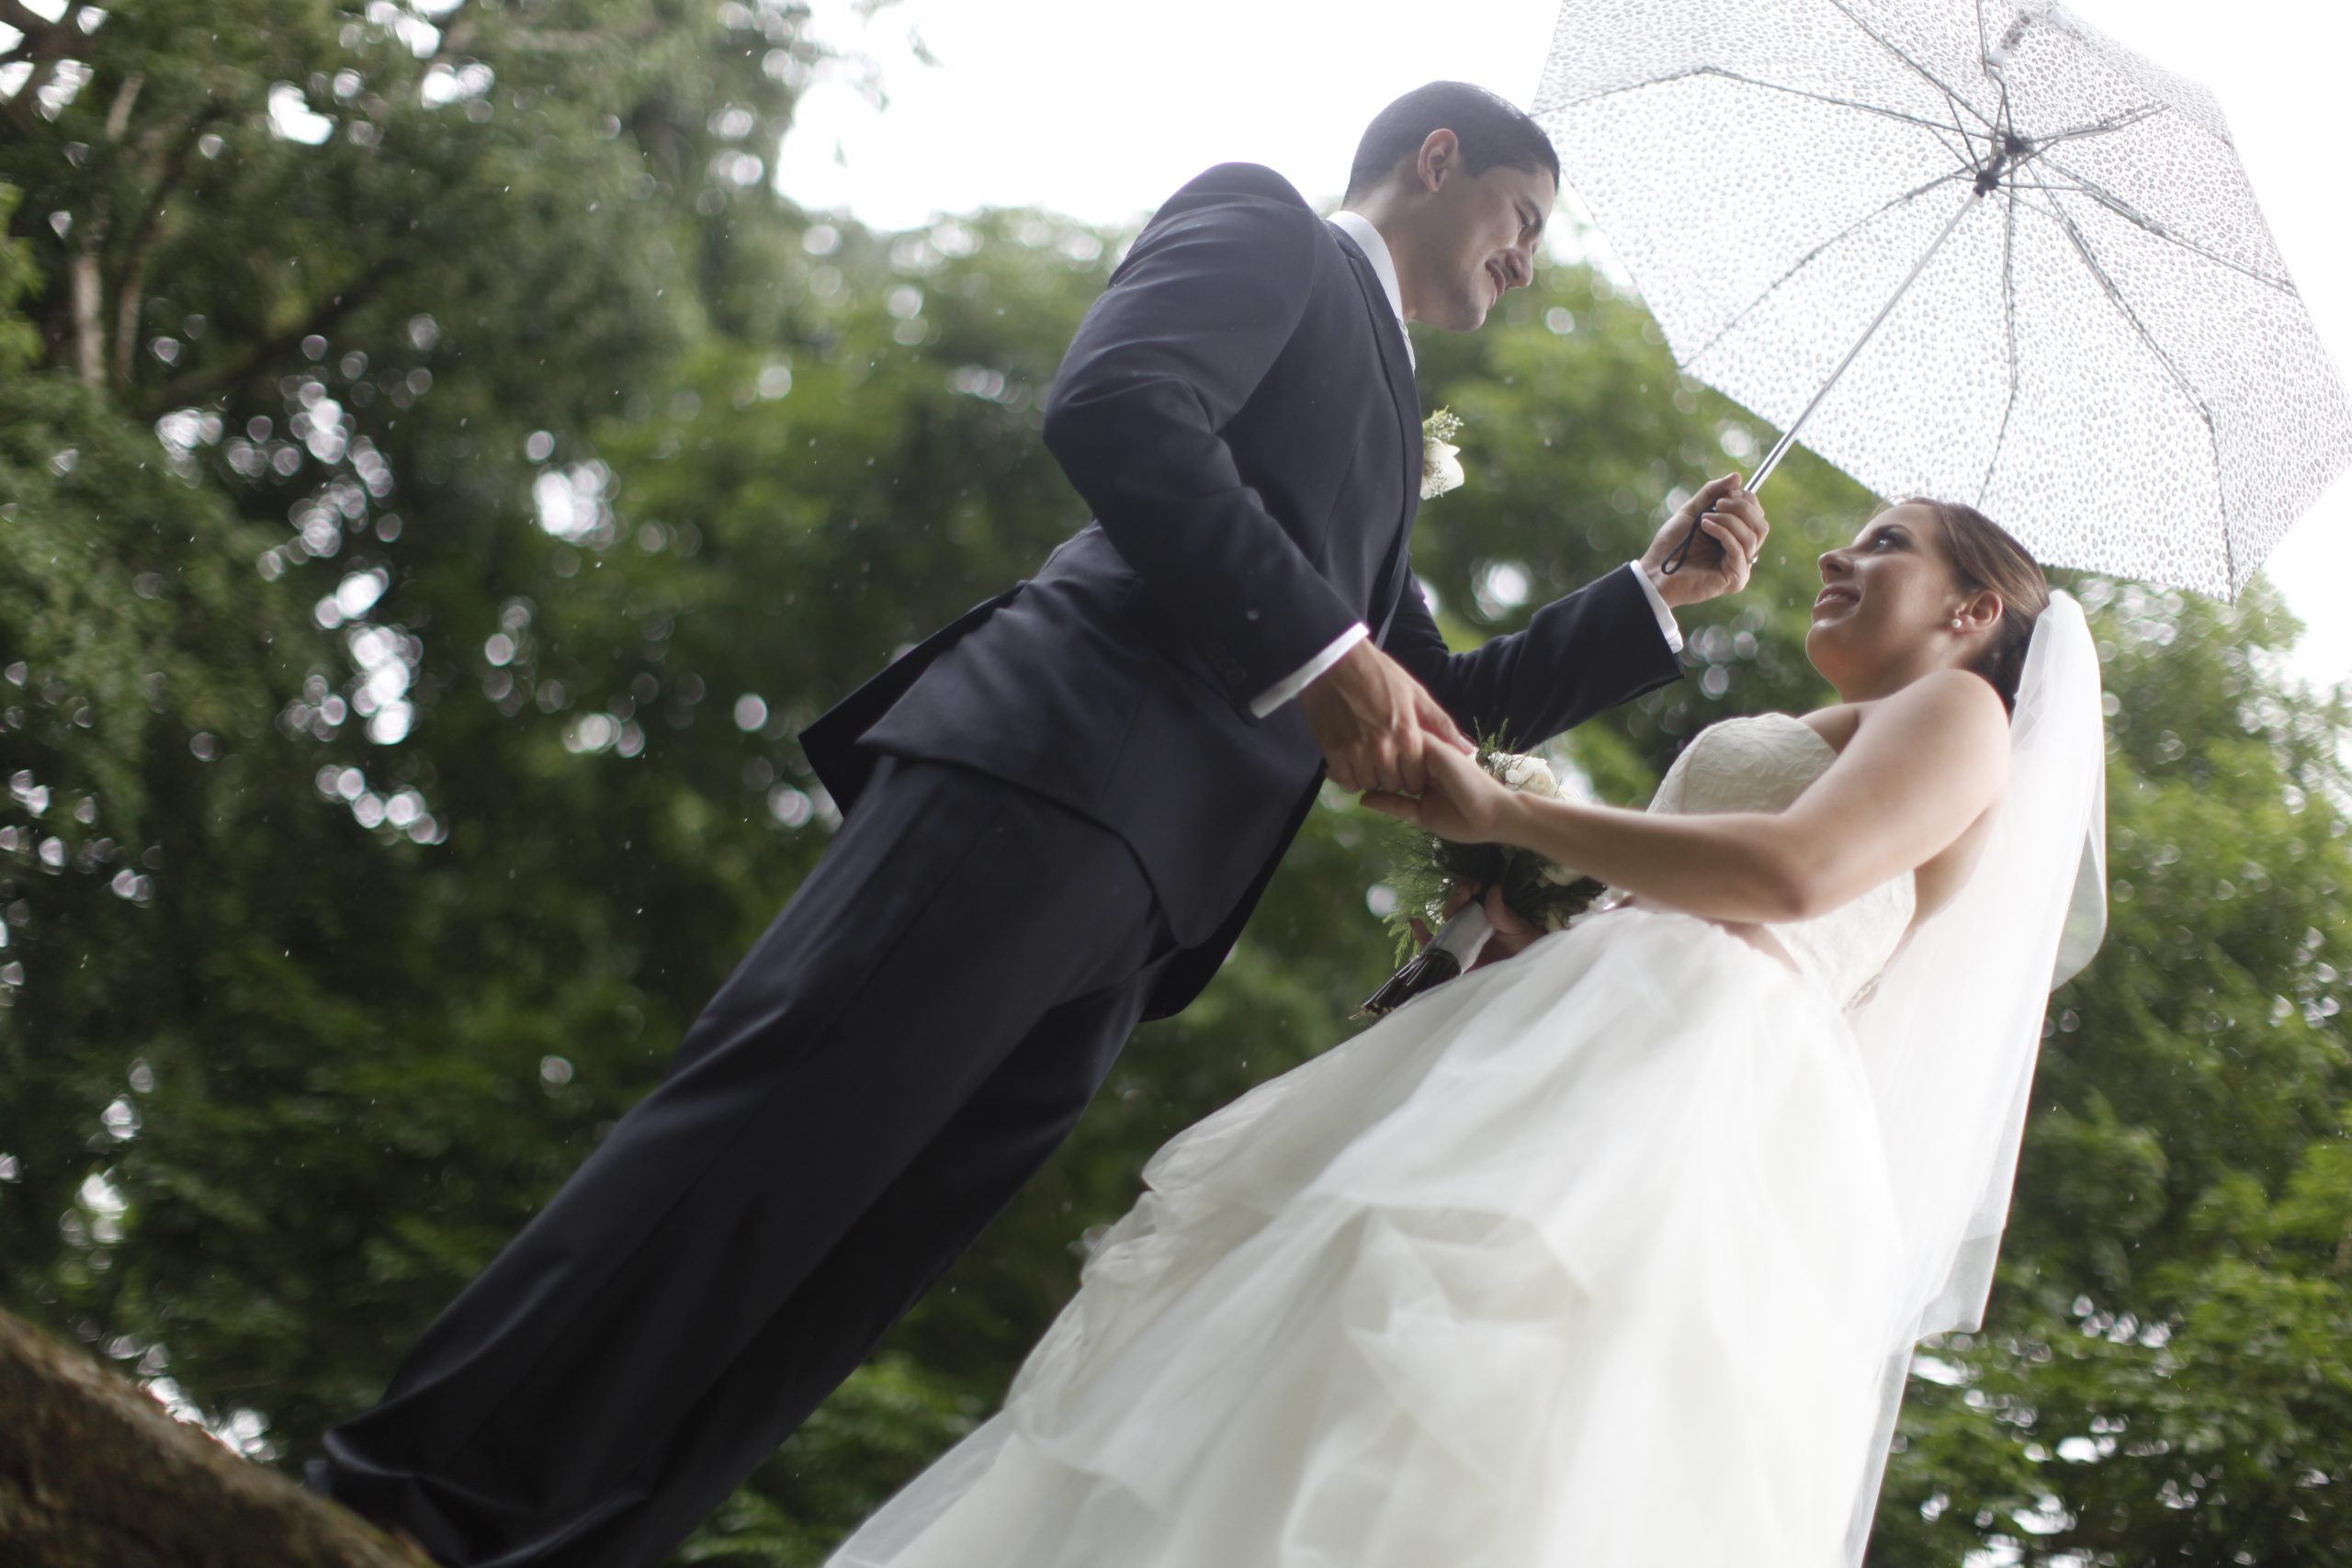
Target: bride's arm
point(1927, 762)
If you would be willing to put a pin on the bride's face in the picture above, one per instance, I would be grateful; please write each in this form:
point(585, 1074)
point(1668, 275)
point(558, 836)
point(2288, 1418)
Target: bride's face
point(1888, 606)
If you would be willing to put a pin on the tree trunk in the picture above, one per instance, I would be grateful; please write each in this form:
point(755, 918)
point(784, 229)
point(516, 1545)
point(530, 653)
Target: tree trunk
point(89, 302)
point(94, 1474)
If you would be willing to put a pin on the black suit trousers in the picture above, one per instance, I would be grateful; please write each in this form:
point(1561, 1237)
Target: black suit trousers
point(915, 1033)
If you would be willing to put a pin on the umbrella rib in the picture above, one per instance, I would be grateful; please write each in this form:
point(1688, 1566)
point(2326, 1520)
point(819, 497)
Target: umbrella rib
point(1810, 256)
point(2009, 313)
point(2085, 186)
point(1920, 70)
point(2115, 297)
point(1830, 98)
point(1967, 141)
point(2212, 436)
point(2124, 121)
point(1965, 152)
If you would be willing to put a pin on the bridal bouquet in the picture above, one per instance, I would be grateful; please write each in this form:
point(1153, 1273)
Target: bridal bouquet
point(1430, 871)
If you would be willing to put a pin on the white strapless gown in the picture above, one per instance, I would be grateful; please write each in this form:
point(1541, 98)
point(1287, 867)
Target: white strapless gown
point(1579, 1261)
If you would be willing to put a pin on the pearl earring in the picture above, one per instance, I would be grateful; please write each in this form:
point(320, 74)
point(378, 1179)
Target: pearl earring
point(1955, 622)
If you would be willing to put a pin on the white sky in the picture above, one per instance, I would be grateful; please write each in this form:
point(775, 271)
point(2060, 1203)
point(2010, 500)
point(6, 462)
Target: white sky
point(1099, 110)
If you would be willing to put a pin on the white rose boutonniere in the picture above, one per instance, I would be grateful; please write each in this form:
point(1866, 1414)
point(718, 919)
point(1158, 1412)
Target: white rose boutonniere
point(1440, 464)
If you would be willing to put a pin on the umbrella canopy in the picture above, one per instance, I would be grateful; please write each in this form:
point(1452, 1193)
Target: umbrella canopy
point(2103, 349)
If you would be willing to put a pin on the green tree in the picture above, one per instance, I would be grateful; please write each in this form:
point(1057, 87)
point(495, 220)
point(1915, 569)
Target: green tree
point(2164, 1374)
point(304, 303)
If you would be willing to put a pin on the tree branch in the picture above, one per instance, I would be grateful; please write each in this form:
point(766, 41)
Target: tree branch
point(165, 170)
point(201, 388)
point(27, 21)
point(89, 304)
point(119, 113)
point(93, 1471)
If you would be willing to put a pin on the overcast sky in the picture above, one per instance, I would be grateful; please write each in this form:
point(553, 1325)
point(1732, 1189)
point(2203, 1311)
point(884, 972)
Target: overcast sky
point(1099, 110)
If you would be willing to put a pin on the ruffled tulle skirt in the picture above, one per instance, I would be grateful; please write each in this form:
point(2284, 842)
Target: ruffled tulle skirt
point(1581, 1260)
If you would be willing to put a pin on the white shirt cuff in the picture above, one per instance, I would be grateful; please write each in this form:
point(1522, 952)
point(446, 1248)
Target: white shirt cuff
point(1666, 627)
point(1284, 690)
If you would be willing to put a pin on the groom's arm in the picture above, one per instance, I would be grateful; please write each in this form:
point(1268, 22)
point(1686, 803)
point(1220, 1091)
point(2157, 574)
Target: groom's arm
point(1190, 323)
point(1579, 656)
point(1602, 645)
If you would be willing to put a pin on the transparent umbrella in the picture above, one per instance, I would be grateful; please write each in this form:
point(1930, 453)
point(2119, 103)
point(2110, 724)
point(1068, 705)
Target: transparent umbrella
point(1975, 250)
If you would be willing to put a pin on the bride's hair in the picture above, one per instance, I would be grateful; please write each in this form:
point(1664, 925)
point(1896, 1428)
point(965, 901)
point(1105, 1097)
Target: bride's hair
point(1988, 559)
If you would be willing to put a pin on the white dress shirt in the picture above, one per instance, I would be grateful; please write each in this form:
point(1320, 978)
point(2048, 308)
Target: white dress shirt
point(1358, 227)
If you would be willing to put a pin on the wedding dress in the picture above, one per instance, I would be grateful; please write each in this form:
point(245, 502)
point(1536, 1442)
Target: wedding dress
point(1584, 1259)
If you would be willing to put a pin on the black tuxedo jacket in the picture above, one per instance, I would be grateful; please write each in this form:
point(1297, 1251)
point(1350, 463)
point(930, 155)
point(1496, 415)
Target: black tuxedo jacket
point(1239, 410)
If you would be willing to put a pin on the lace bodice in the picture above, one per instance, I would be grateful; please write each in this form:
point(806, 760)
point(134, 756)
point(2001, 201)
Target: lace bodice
point(1763, 763)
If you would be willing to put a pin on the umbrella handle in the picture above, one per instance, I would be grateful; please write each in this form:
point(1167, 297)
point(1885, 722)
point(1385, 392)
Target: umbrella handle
point(1674, 562)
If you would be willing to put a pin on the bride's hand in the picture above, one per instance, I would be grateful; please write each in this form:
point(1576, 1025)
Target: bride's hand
point(1462, 802)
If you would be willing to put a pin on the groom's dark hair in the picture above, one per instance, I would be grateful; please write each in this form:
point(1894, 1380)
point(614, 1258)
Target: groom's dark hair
point(1491, 130)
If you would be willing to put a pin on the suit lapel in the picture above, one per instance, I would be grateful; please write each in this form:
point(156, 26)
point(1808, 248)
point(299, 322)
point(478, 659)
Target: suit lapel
point(1388, 336)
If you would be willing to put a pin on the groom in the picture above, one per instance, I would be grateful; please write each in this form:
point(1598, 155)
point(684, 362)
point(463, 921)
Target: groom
point(1060, 810)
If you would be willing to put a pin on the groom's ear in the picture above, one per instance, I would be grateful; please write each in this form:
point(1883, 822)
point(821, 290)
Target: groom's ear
point(1438, 160)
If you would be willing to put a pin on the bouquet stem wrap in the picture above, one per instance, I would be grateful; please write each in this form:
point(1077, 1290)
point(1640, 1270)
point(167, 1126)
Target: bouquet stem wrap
point(1432, 873)
point(1455, 947)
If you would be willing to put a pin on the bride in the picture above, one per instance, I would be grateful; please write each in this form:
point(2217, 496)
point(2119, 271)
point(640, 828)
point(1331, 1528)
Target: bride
point(1613, 1252)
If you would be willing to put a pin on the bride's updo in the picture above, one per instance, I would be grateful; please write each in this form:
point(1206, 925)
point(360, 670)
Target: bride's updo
point(1988, 559)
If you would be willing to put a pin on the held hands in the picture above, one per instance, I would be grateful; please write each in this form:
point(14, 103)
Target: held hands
point(1732, 530)
point(1460, 800)
point(1376, 726)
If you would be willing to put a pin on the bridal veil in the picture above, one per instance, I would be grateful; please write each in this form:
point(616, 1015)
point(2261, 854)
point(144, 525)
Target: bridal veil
point(1950, 1036)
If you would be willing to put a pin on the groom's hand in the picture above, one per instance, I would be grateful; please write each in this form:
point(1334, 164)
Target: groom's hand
point(1731, 531)
point(1371, 719)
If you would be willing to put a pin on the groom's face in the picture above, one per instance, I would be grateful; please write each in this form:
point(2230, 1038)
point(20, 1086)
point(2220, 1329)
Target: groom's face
point(1475, 240)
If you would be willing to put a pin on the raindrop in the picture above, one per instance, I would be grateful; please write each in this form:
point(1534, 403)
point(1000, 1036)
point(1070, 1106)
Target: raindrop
point(355, 594)
point(790, 807)
point(390, 725)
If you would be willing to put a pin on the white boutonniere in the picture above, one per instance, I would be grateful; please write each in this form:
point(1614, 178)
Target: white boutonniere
point(1440, 464)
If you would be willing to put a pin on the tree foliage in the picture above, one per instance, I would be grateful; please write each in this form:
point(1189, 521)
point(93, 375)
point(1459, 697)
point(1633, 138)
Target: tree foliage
point(409, 597)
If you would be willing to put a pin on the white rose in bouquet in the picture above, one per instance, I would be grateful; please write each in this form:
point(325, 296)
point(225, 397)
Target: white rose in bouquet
point(1527, 773)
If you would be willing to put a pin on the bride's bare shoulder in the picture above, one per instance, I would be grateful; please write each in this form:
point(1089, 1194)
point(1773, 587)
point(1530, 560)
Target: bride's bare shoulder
point(1956, 694)
point(1837, 723)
